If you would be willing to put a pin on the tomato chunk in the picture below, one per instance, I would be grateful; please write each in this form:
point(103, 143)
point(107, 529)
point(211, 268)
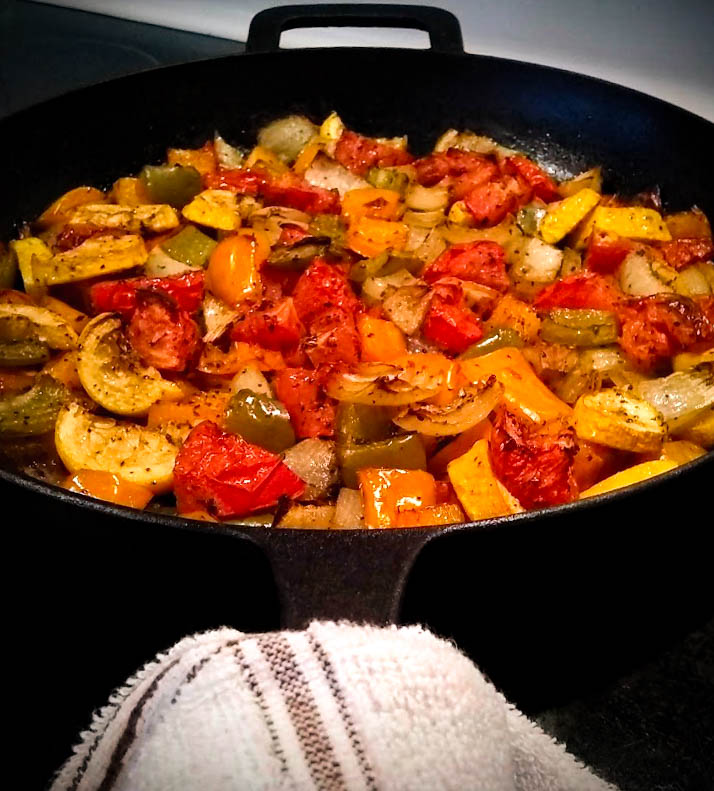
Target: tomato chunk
point(120, 296)
point(312, 412)
point(464, 170)
point(227, 476)
point(334, 339)
point(683, 252)
point(538, 180)
point(535, 465)
point(656, 327)
point(606, 252)
point(275, 328)
point(320, 287)
point(240, 180)
point(480, 262)
point(358, 153)
point(491, 202)
point(452, 326)
point(581, 290)
point(161, 334)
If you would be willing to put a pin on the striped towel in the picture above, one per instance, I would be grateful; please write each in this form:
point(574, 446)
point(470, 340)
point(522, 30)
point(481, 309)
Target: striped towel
point(337, 706)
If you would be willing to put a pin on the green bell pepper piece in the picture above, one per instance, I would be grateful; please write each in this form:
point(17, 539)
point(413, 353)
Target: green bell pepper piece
point(33, 412)
point(172, 184)
point(498, 338)
point(579, 327)
point(388, 179)
point(15, 354)
point(261, 420)
point(405, 452)
point(190, 246)
point(360, 423)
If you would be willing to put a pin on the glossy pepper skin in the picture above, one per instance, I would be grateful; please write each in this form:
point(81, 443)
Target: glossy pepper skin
point(223, 474)
point(311, 411)
point(261, 420)
point(405, 452)
point(120, 296)
point(172, 184)
point(453, 327)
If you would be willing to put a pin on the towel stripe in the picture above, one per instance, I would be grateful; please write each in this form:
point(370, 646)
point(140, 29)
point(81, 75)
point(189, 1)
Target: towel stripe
point(355, 741)
point(252, 681)
point(129, 734)
point(317, 748)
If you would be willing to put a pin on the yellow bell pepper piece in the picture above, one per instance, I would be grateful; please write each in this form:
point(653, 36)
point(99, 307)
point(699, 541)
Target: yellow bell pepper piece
point(636, 474)
point(369, 238)
point(479, 491)
point(632, 222)
point(214, 208)
point(306, 156)
point(385, 492)
point(201, 159)
point(524, 393)
point(380, 204)
point(129, 191)
point(580, 236)
point(30, 251)
point(619, 420)
point(459, 214)
point(381, 340)
point(332, 128)
point(681, 451)
point(265, 158)
point(561, 217)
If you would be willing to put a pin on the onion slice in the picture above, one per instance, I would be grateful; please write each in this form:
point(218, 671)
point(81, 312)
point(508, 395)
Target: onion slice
point(682, 396)
point(471, 406)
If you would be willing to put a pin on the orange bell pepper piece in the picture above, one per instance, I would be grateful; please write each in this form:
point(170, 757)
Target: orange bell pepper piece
point(524, 392)
point(233, 273)
point(457, 447)
point(61, 210)
point(386, 492)
point(379, 204)
point(107, 486)
point(369, 237)
point(264, 158)
point(381, 340)
point(443, 514)
point(202, 159)
point(210, 405)
point(518, 315)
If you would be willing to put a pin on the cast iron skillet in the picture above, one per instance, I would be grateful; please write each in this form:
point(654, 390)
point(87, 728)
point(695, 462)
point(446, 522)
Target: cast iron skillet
point(568, 121)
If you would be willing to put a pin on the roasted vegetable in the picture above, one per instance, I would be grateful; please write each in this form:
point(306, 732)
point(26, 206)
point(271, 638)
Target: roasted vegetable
point(358, 424)
point(110, 487)
point(215, 209)
point(469, 407)
point(630, 476)
point(287, 136)
point(112, 374)
point(260, 420)
point(480, 493)
point(682, 396)
point(349, 512)
point(632, 222)
point(140, 455)
point(315, 462)
point(29, 322)
point(386, 492)
point(32, 412)
point(500, 338)
point(619, 420)
point(560, 218)
point(99, 255)
point(172, 184)
point(579, 327)
point(405, 452)
point(16, 354)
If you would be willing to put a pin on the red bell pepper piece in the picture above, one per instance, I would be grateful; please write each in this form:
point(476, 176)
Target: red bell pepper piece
point(334, 339)
point(161, 334)
point(535, 465)
point(581, 290)
point(275, 328)
point(119, 296)
point(312, 412)
point(606, 251)
point(480, 262)
point(358, 153)
point(538, 180)
point(227, 476)
point(240, 180)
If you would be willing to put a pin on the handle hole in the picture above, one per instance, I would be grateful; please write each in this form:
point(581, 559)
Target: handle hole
point(354, 37)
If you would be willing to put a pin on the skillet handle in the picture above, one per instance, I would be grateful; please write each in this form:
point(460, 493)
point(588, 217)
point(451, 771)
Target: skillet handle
point(356, 575)
point(442, 26)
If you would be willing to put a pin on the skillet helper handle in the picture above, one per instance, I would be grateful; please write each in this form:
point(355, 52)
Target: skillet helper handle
point(442, 26)
point(355, 575)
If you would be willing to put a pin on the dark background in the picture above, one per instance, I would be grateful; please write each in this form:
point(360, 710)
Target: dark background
point(627, 684)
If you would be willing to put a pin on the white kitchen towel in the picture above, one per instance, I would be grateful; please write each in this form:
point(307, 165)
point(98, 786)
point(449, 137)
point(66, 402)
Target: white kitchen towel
point(337, 706)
